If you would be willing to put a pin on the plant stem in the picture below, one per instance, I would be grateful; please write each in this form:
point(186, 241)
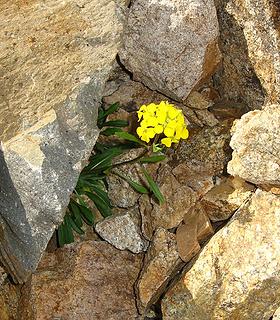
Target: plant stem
point(130, 161)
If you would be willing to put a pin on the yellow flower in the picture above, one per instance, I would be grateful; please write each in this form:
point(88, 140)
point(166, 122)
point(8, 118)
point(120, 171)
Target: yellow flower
point(162, 119)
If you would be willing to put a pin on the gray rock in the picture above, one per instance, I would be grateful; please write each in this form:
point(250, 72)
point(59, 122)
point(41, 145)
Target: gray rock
point(123, 231)
point(56, 61)
point(171, 46)
point(236, 276)
point(256, 146)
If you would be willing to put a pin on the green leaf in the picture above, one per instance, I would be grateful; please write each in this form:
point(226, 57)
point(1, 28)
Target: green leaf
point(152, 159)
point(114, 107)
point(87, 215)
point(68, 233)
point(110, 131)
point(101, 206)
point(153, 186)
point(116, 123)
point(129, 137)
point(60, 233)
point(136, 186)
point(103, 160)
point(73, 225)
point(74, 209)
point(102, 195)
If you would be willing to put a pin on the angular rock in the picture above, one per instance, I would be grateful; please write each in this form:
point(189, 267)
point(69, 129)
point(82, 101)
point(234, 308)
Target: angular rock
point(256, 146)
point(276, 315)
point(56, 60)
point(178, 199)
point(9, 300)
point(123, 231)
point(196, 100)
point(91, 280)
point(161, 262)
point(206, 148)
point(226, 197)
point(250, 42)
point(171, 46)
point(236, 276)
point(195, 228)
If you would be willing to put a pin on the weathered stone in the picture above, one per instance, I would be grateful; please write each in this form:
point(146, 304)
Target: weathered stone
point(9, 300)
point(195, 176)
point(256, 146)
point(276, 315)
point(171, 46)
point(236, 276)
point(133, 94)
point(161, 262)
point(56, 60)
point(207, 148)
point(120, 192)
point(226, 197)
point(123, 231)
point(206, 117)
point(178, 199)
point(196, 100)
point(91, 280)
point(250, 43)
point(195, 228)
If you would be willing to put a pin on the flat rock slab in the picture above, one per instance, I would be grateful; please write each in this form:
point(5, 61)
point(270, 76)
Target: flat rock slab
point(256, 146)
point(55, 60)
point(237, 275)
point(91, 280)
point(171, 46)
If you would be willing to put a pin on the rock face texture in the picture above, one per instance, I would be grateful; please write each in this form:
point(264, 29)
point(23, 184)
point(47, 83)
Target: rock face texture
point(55, 60)
point(91, 280)
point(256, 146)
point(161, 262)
point(123, 231)
point(236, 276)
point(250, 42)
point(171, 46)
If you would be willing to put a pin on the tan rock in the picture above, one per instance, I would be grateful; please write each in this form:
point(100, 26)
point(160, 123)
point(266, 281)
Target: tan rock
point(178, 199)
point(91, 280)
point(256, 146)
point(161, 262)
point(9, 300)
point(250, 45)
point(171, 46)
point(198, 101)
point(195, 228)
point(206, 117)
point(226, 197)
point(55, 61)
point(276, 315)
point(236, 276)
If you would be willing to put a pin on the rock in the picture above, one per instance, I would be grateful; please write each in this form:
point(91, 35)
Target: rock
point(121, 194)
point(132, 95)
point(276, 315)
point(195, 176)
point(250, 46)
point(195, 228)
point(56, 60)
point(161, 263)
point(207, 148)
point(236, 276)
point(196, 100)
point(171, 46)
point(122, 230)
point(9, 300)
point(256, 146)
point(206, 117)
point(178, 200)
point(226, 197)
point(90, 280)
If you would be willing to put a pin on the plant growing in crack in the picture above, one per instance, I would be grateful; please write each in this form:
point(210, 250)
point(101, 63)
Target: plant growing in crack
point(160, 125)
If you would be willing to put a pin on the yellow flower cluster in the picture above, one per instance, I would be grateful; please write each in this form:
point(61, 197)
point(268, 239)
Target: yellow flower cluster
point(162, 119)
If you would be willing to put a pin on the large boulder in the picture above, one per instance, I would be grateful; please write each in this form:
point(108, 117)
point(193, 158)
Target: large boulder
point(55, 61)
point(89, 280)
point(171, 46)
point(256, 146)
point(237, 275)
point(250, 43)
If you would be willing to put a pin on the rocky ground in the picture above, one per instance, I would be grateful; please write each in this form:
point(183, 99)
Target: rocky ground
point(211, 251)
